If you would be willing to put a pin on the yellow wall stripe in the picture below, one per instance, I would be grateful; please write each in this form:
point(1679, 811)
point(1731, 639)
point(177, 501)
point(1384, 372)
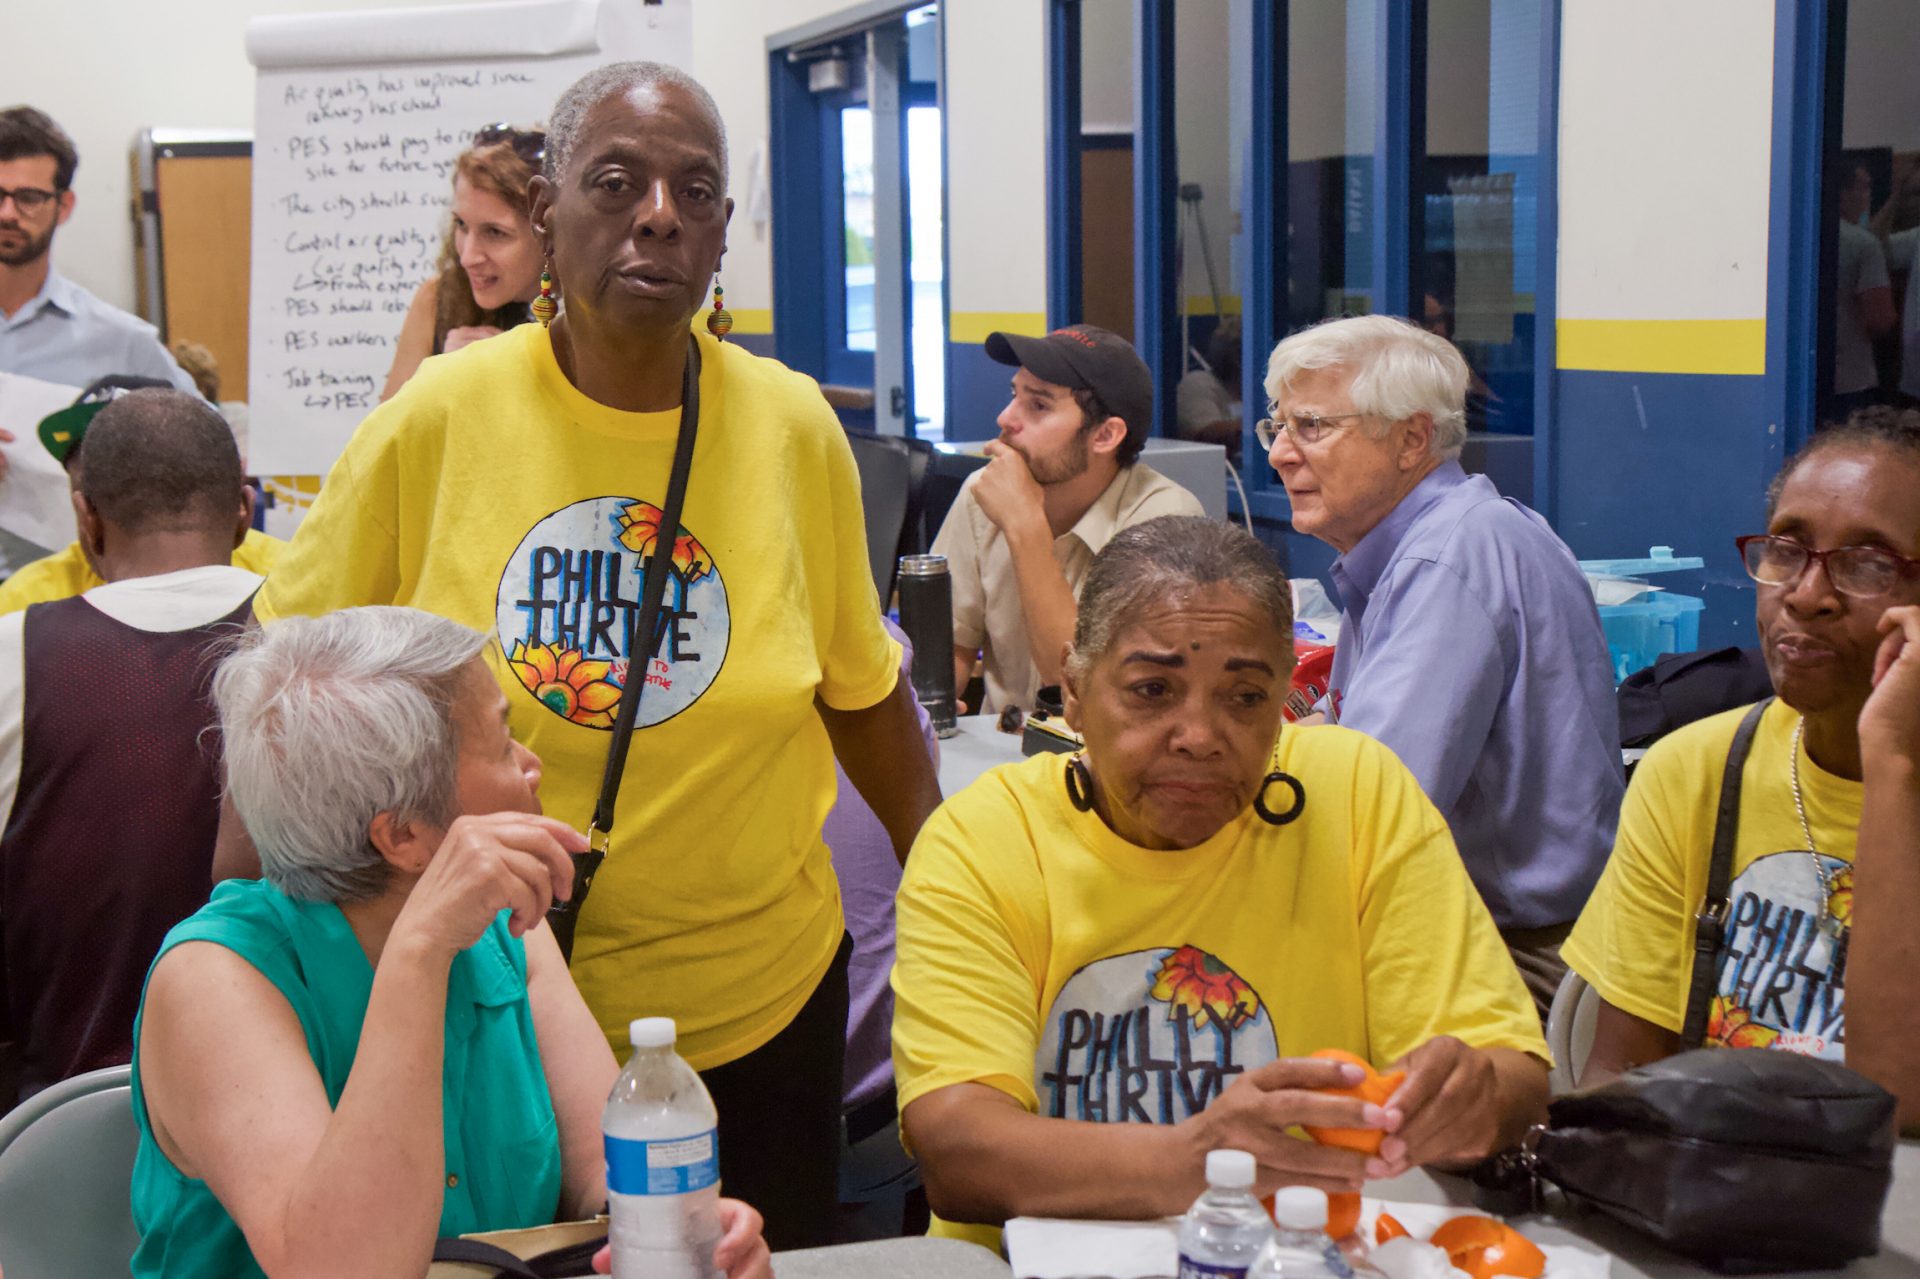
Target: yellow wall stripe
point(973, 326)
point(1662, 346)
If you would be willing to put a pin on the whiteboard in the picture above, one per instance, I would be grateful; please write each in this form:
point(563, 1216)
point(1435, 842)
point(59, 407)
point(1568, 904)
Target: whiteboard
point(358, 118)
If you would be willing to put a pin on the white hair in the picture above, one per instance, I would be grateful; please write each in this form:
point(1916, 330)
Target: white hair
point(329, 721)
point(1399, 369)
point(617, 79)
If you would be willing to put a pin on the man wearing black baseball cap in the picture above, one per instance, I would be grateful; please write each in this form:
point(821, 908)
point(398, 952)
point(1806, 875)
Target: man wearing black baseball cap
point(1063, 479)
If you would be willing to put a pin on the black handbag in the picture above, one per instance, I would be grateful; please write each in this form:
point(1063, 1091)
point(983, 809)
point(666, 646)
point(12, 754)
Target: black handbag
point(1747, 1160)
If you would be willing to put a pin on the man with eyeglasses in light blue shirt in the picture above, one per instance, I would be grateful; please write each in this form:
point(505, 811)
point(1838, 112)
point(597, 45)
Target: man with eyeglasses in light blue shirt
point(1469, 639)
point(50, 327)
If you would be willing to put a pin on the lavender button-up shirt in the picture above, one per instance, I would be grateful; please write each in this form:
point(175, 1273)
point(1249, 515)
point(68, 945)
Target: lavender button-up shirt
point(1470, 645)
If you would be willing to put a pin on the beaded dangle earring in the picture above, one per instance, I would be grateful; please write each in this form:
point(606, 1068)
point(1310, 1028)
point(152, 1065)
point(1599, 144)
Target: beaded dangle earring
point(544, 307)
point(719, 320)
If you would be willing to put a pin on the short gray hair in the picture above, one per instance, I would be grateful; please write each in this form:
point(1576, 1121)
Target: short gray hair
point(1162, 559)
point(329, 721)
point(1399, 369)
point(614, 80)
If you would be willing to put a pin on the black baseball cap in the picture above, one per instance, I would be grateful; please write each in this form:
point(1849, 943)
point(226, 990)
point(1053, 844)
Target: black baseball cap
point(1086, 357)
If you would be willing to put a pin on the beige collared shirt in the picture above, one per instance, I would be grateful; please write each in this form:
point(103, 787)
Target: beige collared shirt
point(986, 595)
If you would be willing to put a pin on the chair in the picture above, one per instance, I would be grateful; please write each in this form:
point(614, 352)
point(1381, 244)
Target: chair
point(893, 483)
point(1570, 1023)
point(66, 1167)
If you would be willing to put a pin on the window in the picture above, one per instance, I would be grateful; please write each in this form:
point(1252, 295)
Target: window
point(1869, 294)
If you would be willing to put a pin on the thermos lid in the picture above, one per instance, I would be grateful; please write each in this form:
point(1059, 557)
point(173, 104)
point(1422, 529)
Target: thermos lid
point(923, 566)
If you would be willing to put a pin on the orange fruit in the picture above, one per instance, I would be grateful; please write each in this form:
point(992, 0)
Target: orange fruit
point(1375, 1088)
point(1388, 1227)
point(1484, 1248)
point(1343, 1214)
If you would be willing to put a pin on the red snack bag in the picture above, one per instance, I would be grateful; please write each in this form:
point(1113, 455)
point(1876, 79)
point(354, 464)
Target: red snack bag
point(1311, 671)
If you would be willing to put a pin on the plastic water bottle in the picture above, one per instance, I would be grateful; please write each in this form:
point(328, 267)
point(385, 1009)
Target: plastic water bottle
point(1224, 1230)
point(1299, 1248)
point(663, 1162)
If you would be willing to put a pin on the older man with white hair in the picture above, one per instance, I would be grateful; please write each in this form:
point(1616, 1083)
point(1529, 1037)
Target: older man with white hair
point(1469, 641)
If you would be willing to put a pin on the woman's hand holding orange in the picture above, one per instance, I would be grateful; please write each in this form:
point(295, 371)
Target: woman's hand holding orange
point(1256, 1110)
point(1448, 1109)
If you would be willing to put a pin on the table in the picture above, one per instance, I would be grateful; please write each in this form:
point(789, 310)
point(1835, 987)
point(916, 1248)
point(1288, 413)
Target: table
point(919, 1258)
point(1630, 1255)
point(977, 747)
point(1636, 1257)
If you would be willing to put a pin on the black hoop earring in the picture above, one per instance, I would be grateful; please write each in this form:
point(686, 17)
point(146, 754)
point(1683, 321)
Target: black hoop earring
point(1079, 785)
point(1267, 815)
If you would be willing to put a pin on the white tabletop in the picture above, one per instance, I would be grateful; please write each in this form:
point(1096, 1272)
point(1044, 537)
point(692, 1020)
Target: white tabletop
point(977, 747)
point(919, 1258)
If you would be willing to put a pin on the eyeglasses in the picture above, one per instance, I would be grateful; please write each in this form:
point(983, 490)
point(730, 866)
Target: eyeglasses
point(529, 144)
point(28, 199)
point(1863, 571)
point(1305, 428)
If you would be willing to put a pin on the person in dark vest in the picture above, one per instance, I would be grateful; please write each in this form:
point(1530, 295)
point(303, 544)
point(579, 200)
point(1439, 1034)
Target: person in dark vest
point(109, 777)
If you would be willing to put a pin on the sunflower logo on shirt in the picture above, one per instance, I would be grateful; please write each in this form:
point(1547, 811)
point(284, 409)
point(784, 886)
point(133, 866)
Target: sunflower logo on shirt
point(1150, 1036)
point(567, 613)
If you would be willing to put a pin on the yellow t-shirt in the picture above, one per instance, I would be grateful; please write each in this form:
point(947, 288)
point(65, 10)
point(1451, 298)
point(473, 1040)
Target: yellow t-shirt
point(492, 492)
point(1091, 979)
point(66, 573)
point(1781, 976)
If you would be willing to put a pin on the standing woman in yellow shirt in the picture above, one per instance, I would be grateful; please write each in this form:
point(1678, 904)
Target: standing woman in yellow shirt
point(1111, 965)
point(516, 486)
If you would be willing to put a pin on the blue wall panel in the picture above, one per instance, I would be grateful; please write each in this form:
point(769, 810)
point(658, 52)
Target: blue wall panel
point(1680, 460)
point(976, 392)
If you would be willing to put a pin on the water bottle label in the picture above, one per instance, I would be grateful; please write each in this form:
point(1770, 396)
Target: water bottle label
point(673, 1167)
point(1191, 1269)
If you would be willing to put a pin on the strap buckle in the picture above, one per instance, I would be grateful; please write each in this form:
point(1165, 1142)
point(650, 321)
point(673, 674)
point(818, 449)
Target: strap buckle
point(1715, 910)
point(598, 840)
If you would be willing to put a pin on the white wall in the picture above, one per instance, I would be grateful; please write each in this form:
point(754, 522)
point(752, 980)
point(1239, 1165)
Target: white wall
point(105, 69)
point(1664, 173)
point(996, 167)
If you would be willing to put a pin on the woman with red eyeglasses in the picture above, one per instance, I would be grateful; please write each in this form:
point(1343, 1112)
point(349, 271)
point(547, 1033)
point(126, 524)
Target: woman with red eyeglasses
point(489, 260)
point(1829, 797)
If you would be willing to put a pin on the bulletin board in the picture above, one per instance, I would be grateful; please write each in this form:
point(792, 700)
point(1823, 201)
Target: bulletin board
point(193, 229)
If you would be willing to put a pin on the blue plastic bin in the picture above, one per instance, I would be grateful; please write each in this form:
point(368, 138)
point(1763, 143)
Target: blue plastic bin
point(1655, 623)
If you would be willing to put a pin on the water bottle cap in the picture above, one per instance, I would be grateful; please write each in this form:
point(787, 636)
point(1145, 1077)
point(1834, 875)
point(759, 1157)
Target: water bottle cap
point(1300, 1208)
point(1230, 1169)
point(652, 1032)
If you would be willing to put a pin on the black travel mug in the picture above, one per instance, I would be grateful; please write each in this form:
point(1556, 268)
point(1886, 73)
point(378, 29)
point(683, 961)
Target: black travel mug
point(926, 615)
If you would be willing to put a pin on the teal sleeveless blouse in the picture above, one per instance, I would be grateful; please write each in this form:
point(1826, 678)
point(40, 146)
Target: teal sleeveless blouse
point(502, 1141)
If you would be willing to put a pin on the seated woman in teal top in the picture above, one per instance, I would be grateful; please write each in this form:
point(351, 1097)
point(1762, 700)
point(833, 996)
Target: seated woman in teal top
point(379, 1044)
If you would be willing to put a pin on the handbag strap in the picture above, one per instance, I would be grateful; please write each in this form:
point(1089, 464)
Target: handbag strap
point(640, 650)
point(1710, 925)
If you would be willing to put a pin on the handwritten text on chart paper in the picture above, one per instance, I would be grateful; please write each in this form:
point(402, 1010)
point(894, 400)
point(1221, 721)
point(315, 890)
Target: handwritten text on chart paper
point(360, 165)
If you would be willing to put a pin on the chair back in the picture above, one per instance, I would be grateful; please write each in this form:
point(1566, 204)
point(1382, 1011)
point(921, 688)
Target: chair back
point(893, 481)
point(1570, 1023)
point(66, 1168)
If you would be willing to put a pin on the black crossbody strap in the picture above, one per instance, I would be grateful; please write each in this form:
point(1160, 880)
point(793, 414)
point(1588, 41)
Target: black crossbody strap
point(1710, 926)
point(640, 651)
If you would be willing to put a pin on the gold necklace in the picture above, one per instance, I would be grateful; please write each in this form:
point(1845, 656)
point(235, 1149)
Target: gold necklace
point(1828, 924)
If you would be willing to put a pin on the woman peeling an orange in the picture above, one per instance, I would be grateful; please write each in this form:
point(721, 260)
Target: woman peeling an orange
point(1108, 967)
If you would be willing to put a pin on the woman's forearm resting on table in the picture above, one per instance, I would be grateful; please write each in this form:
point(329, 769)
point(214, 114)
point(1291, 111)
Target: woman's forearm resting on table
point(1883, 950)
point(985, 1158)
